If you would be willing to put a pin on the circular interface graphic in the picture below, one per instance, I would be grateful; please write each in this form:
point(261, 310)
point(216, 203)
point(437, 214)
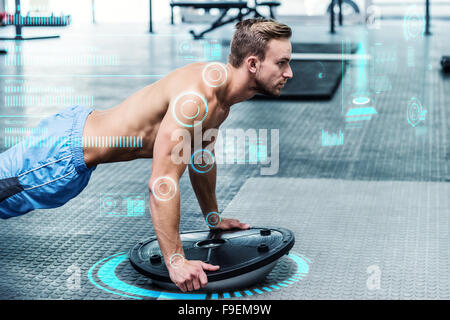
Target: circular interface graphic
point(190, 109)
point(413, 23)
point(215, 74)
point(164, 188)
point(176, 260)
point(213, 219)
point(202, 161)
point(184, 48)
point(415, 112)
point(106, 276)
point(109, 203)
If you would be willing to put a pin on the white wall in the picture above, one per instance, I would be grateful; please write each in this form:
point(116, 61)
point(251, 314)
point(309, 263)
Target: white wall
point(120, 11)
point(308, 7)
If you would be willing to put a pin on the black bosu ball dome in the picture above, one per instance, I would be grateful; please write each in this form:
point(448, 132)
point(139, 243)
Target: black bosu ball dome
point(245, 257)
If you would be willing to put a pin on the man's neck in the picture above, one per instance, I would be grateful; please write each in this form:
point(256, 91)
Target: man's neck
point(237, 88)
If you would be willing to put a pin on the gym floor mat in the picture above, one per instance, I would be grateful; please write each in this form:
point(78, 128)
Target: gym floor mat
point(356, 231)
point(313, 80)
point(310, 47)
point(298, 47)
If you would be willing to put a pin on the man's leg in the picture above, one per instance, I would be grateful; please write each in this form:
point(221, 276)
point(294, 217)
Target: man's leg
point(47, 169)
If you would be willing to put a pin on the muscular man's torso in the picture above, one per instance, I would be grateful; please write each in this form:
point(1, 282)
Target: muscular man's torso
point(140, 115)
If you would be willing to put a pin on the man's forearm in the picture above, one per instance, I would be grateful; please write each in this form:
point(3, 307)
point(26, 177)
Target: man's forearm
point(166, 222)
point(204, 185)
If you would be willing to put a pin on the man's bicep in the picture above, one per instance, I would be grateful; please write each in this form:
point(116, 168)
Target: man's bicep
point(174, 142)
point(169, 151)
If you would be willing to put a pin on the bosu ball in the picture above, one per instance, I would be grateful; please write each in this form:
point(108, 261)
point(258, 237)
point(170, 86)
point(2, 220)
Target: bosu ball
point(245, 257)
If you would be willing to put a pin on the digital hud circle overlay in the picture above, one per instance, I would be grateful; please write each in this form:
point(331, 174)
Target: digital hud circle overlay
point(115, 275)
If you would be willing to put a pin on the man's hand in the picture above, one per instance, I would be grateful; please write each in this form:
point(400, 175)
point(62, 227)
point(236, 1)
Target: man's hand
point(226, 224)
point(190, 275)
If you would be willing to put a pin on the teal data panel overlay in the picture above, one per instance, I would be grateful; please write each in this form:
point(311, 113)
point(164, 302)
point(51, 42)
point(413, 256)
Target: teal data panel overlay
point(25, 93)
point(122, 205)
point(332, 139)
point(200, 50)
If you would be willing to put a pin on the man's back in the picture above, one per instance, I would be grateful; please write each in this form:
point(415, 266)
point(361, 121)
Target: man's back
point(141, 114)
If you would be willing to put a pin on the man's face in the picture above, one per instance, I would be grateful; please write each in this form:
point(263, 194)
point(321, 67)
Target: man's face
point(275, 70)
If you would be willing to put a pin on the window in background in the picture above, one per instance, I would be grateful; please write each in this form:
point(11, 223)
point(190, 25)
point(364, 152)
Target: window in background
point(315, 8)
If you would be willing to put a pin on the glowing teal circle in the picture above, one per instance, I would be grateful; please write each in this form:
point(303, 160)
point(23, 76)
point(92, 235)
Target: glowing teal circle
point(414, 111)
point(196, 123)
point(213, 214)
point(215, 66)
point(212, 161)
point(162, 193)
point(157, 196)
point(173, 257)
point(413, 23)
point(105, 270)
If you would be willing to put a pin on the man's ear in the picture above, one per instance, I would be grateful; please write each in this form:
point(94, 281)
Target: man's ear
point(252, 64)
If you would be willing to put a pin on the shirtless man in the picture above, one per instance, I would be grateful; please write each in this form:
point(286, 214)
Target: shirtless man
point(55, 163)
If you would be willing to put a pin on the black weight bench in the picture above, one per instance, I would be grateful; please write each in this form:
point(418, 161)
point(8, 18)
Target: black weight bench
point(224, 7)
point(270, 4)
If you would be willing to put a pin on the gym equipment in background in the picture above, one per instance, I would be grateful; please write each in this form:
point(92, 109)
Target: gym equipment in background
point(224, 7)
point(20, 21)
point(245, 257)
point(345, 7)
point(445, 63)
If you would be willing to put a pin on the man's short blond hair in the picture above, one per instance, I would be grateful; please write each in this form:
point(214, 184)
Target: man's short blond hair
point(251, 38)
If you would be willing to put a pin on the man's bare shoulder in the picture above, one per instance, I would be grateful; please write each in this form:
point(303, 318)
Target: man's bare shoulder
point(199, 76)
point(193, 91)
